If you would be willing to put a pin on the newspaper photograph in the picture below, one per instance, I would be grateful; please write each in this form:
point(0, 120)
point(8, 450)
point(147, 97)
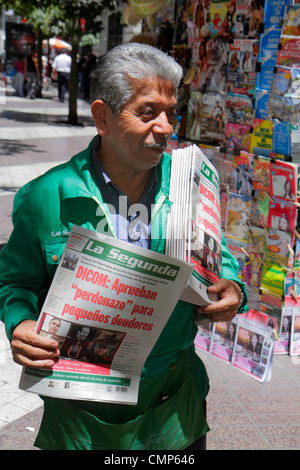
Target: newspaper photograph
point(106, 307)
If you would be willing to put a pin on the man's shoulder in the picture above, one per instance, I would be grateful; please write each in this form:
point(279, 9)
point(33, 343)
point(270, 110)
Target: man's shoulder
point(49, 182)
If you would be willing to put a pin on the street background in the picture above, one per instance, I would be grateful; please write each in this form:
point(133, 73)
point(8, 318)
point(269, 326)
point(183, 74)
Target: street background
point(243, 414)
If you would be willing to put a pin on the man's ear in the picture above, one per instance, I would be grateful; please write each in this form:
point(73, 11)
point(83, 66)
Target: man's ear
point(100, 112)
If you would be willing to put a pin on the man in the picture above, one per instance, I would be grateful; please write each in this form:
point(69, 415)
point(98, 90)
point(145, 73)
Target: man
point(133, 91)
point(32, 74)
point(62, 65)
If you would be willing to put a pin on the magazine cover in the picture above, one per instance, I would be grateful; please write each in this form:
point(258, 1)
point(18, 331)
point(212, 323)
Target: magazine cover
point(238, 137)
point(253, 268)
point(261, 137)
point(272, 278)
point(268, 46)
point(261, 173)
point(217, 57)
point(212, 128)
point(243, 14)
point(277, 248)
point(291, 17)
point(194, 116)
point(283, 180)
point(242, 174)
point(281, 81)
point(259, 209)
point(289, 51)
point(282, 215)
point(274, 12)
point(201, 15)
point(222, 18)
point(238, 216)
point(239, 108)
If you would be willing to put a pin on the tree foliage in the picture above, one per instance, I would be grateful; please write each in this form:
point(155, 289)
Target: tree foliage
point(62, 18)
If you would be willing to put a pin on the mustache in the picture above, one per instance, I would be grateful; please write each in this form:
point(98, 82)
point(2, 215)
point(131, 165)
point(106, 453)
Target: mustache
point(155, 146)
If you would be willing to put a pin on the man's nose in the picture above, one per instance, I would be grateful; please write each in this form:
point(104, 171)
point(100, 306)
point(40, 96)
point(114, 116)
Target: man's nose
point(162, 124)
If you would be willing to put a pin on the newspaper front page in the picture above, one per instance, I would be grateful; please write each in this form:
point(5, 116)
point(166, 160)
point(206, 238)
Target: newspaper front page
point(194, 223)
point(106, 307)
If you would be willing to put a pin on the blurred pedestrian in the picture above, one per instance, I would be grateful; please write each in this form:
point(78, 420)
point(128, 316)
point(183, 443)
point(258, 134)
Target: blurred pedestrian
point(20, 76)
point(32, 74)
point(62, 65)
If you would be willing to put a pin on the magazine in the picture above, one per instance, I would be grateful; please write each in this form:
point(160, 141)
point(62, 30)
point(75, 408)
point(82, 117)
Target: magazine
point(246, 343)
point(290, 25)
point(194, 223)
point(295, 330)
point(110, 301)
point(212, 128)
point(289, 51)
point(261, 137)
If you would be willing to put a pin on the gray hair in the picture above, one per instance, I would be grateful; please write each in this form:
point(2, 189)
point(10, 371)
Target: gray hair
point(112, 79)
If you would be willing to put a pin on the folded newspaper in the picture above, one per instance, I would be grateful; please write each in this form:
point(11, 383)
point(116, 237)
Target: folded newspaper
point(106, 307)
point(194, 222)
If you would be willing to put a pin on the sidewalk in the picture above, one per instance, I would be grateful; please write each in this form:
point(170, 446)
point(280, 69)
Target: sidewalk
point(242, 413)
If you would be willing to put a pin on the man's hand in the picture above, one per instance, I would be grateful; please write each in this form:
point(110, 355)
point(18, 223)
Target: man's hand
point(30, 349)
point(227, 307)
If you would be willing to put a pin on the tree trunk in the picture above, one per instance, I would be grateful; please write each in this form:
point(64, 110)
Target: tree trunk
point(73, 90)
point(40, 62)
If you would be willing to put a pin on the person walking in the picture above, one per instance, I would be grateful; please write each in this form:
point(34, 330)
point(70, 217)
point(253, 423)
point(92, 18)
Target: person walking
point(20, 76)
point(62, 65)
point(32, 74)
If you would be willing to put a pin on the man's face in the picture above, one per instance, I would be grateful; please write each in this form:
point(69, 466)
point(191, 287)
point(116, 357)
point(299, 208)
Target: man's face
point(54, 326)
point(138, 137)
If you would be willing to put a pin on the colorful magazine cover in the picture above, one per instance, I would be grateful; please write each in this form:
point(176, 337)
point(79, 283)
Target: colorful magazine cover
point(253, 268)
point(217, 58)
point(262, 104)
point(249, 17)
point(201, 15)
point(274, 12)
point(239, 108)
point(238, 249)
point(277, 247)
point(272, 278)
point(238, 216)
point(282, 215)
point(261, 137)
point(289, 51)
point(268, 46)
point(212, 117)
point(223, 340)
point(294, 84)
point(259, 209)
point(281, 81)
point(242, 174)
point(291, 24)
point(241, 69)
point(261, 173)
point(256, 240)
point(238, 137)
point(243, 14)
point(281, 138)
point(283, 181)
point(291, 109)
point(222, 18)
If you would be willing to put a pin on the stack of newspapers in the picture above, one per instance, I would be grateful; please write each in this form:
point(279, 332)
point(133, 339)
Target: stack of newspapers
point(194, 222)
